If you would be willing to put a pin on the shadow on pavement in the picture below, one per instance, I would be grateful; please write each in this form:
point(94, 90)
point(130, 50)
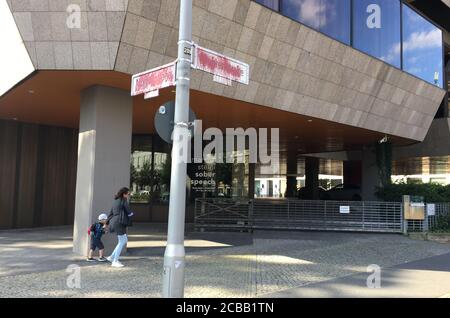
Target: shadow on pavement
point(440, 263)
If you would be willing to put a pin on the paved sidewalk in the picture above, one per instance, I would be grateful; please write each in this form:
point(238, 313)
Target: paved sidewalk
point(276, 264)
point(427, 278)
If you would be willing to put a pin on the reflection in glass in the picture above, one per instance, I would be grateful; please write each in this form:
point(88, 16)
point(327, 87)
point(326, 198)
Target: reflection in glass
point(149, 170)
point(336, 19)
point(422, 48)
point(141, 169)
point(331, 17)
point(376, 29)
point(273, 4)
point(422, 170)
point(161, 190)
point(269, 185)
point(141, 176)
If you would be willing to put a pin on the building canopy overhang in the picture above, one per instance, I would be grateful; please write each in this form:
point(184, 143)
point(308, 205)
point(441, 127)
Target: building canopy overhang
point(53, 98)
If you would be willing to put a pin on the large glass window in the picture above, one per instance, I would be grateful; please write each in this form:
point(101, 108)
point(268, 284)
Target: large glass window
point(376, 29)
point(422, 48)
point(331, 17)
point(141, 169)
point(150, 169)
point(273, 4)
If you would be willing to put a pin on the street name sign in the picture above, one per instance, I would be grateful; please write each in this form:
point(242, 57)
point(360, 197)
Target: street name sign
point(225, 69)
point(150, 82)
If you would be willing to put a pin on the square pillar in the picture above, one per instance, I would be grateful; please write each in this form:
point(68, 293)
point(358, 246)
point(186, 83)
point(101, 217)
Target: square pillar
point(104, 152)
point(353, 173)
point(312, 167)
point(291, 178)
point(251, 180)
point(370, 176)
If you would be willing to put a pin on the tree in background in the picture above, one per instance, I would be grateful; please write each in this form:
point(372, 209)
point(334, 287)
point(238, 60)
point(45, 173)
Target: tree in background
point(384, 162)
point(165, 173)
point(145, 177)
point(224, 174)
point(134, 175)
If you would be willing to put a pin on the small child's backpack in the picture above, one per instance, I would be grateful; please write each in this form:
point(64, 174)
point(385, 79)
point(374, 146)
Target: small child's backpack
point(91, 229)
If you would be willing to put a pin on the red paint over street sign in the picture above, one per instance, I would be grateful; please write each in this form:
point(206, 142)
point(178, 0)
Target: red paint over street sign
point(153, 80)
point(225, 69)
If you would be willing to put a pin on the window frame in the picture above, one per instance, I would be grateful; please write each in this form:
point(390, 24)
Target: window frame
point(401, 39)
point(404, 2)
point(280, 5)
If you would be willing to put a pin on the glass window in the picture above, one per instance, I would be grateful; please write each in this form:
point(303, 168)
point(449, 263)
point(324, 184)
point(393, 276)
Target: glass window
point(273, 4)
point(422, 48)
point(331, 17)
point(150, 169)
point(141, 169)
point(162, 165)
point(336, 19)
point(376, 29)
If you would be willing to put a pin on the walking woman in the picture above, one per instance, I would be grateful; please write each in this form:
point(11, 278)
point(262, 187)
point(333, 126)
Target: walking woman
point(118, 220)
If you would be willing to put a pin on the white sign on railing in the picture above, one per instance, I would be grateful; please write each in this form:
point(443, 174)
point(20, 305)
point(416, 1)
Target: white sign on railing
point(431, 209)
point(344, 209)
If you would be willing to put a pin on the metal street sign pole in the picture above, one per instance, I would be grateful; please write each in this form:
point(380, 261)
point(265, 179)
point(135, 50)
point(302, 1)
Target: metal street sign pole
point(225, 71)
point(174, 257)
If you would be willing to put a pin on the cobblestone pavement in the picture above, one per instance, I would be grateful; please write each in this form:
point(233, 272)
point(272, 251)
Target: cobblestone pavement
point(222, 265)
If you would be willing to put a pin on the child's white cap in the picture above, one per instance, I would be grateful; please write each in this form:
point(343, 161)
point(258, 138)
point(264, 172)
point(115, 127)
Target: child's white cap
point(102, 217)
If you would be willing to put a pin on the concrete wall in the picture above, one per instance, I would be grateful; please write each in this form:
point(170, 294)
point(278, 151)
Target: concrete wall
point(293, 67)
point(52, 44)
point(436, 143)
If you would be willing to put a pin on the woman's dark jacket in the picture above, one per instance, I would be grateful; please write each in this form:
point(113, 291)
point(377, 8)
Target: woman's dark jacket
point(118, 217)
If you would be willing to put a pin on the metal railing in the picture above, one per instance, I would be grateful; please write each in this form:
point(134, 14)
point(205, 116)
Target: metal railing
point(222, 213)
point(440, 210)
point(299, 215)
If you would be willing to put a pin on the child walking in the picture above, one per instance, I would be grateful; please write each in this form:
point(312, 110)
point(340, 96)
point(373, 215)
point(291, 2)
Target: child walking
point(96, 231)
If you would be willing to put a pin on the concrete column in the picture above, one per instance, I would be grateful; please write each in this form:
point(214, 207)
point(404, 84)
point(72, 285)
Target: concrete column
point(104, 152)
point(291, 179)
point(251, 180)
point(352, 172)
point(370, 176)
point(312, 177)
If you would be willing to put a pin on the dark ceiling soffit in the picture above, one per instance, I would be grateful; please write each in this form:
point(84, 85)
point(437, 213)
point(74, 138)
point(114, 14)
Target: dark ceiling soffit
point(436, 10)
